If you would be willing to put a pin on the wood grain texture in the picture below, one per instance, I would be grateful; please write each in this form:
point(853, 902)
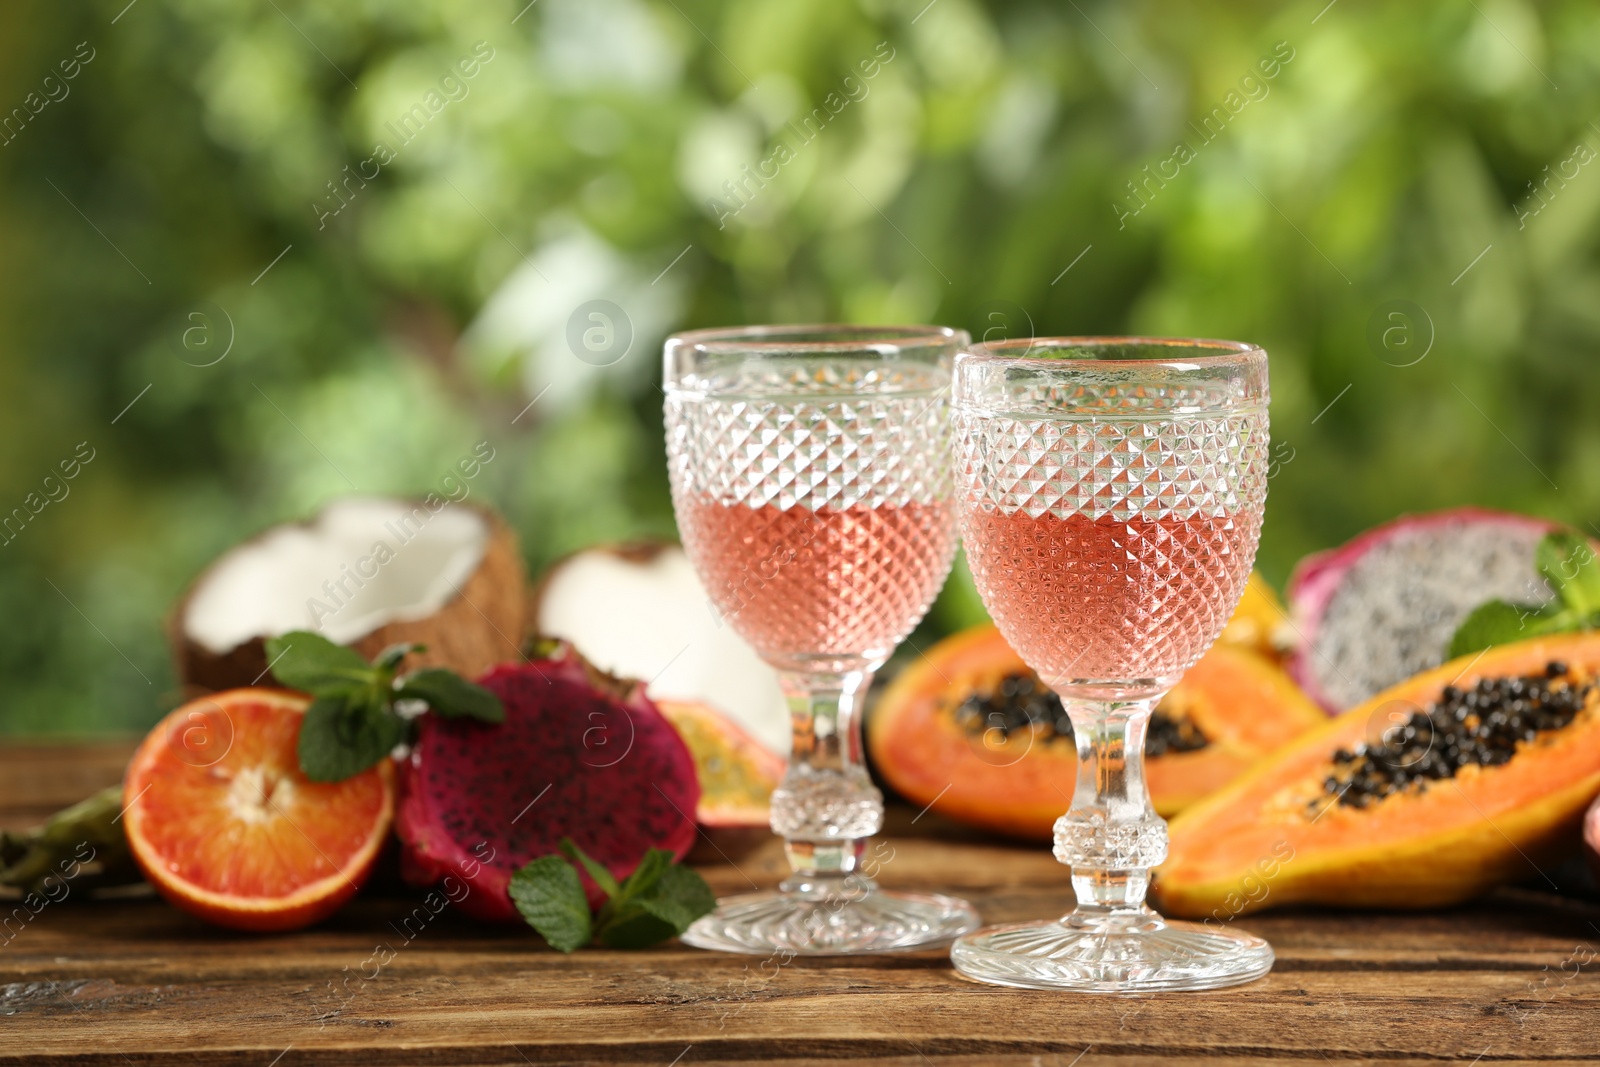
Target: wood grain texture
point(136, 982)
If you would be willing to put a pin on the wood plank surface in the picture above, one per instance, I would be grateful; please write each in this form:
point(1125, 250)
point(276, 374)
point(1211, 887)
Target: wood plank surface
point(135, 981)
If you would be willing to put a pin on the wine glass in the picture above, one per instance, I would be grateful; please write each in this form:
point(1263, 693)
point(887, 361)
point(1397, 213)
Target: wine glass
point(811, 479)
point(1110, 494)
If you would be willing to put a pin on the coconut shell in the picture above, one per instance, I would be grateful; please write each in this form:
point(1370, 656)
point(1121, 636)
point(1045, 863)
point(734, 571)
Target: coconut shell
point(472, 632)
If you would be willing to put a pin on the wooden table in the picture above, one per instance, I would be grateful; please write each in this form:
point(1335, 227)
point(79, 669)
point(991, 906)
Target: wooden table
point(137, 982)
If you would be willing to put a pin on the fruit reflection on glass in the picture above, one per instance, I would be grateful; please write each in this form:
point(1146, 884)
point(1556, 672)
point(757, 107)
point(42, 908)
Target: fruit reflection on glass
point(811, 478)
point(1110, 494)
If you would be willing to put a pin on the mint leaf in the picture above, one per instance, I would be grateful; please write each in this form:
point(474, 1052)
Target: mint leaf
point(352, 723)
point(311, 663)
point(550, 896)
point(601, 876)
point(642, 881)
point(639, 883)
point(451, 695)
point(676, 897)
point(1567, 561)
point(636, 926)
point(340, 737)
point(390, 657)
point(1492, 623)
point(1498, 622)
point(658, 901)
point(680, 897)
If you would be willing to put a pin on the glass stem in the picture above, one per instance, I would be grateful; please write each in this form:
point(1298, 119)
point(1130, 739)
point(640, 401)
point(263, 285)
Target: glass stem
point(1112, 836)
point(826, 807)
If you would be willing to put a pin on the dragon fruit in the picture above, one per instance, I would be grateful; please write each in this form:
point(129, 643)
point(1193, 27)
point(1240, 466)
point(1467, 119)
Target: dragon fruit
point(580, 755)
point(1591, 839)
point(1385, 606)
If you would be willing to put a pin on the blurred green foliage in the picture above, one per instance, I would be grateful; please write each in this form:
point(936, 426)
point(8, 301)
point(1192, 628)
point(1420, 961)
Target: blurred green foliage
point(1390, 159)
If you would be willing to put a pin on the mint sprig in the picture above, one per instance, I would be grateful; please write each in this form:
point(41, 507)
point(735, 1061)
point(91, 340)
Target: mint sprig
point(659, 900)
point(352, 722)
point(550, 896)
point(1567, 561)
point(451, 695)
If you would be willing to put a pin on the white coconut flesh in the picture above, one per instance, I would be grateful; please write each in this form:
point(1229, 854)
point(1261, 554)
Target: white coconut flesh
point(360, 565)
point(651, 619)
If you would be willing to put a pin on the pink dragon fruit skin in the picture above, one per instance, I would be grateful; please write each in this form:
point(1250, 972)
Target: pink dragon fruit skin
point(1591, 839)
point(1384, 606)
point(578, 756)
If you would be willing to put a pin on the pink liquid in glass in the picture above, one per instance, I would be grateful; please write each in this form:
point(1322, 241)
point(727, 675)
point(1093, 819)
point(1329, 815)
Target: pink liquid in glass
point(814, 499)
point(828, 581)
point(1110, 599)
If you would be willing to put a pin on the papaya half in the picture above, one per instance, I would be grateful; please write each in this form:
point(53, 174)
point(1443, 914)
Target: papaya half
point(1464, 777)
point(970, 731)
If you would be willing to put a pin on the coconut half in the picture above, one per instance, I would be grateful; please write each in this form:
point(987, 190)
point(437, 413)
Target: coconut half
point(639, 611)
point(365, 572)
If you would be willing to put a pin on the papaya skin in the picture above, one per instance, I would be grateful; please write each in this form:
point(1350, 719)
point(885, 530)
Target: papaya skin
point(1244, 703)
point(1255, 845)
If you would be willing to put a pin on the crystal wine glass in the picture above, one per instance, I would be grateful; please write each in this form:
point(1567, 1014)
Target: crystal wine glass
point(811, 478)
point(1111, 494)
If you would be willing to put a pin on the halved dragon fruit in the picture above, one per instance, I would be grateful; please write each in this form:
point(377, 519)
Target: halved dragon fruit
point(1384, 606)
point(1591, 839)
point(580, 755)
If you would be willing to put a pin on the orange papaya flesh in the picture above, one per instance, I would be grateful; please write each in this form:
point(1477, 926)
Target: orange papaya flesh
point(1260, 621)
point(1278, 836)
point(1245, 706)
point(929, 744)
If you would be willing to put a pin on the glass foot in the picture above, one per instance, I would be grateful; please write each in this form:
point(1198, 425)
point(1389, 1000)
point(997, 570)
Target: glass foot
point(1098, 956)
point(810, 925)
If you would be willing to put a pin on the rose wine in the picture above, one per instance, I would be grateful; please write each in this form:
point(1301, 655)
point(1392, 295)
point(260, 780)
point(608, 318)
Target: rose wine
point(1110, 599)
point(1112, 548)
point(814, 498)
point(811, 480)
point(833, 581)
point(1111, 498)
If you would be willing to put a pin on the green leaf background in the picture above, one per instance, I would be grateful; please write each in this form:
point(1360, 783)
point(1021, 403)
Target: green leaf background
point(1389, 160)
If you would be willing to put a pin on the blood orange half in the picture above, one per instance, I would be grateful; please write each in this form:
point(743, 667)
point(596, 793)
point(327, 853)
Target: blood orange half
point(226, 827)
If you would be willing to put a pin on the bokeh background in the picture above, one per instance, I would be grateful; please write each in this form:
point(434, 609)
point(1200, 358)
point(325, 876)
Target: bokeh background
point(1404, 213)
